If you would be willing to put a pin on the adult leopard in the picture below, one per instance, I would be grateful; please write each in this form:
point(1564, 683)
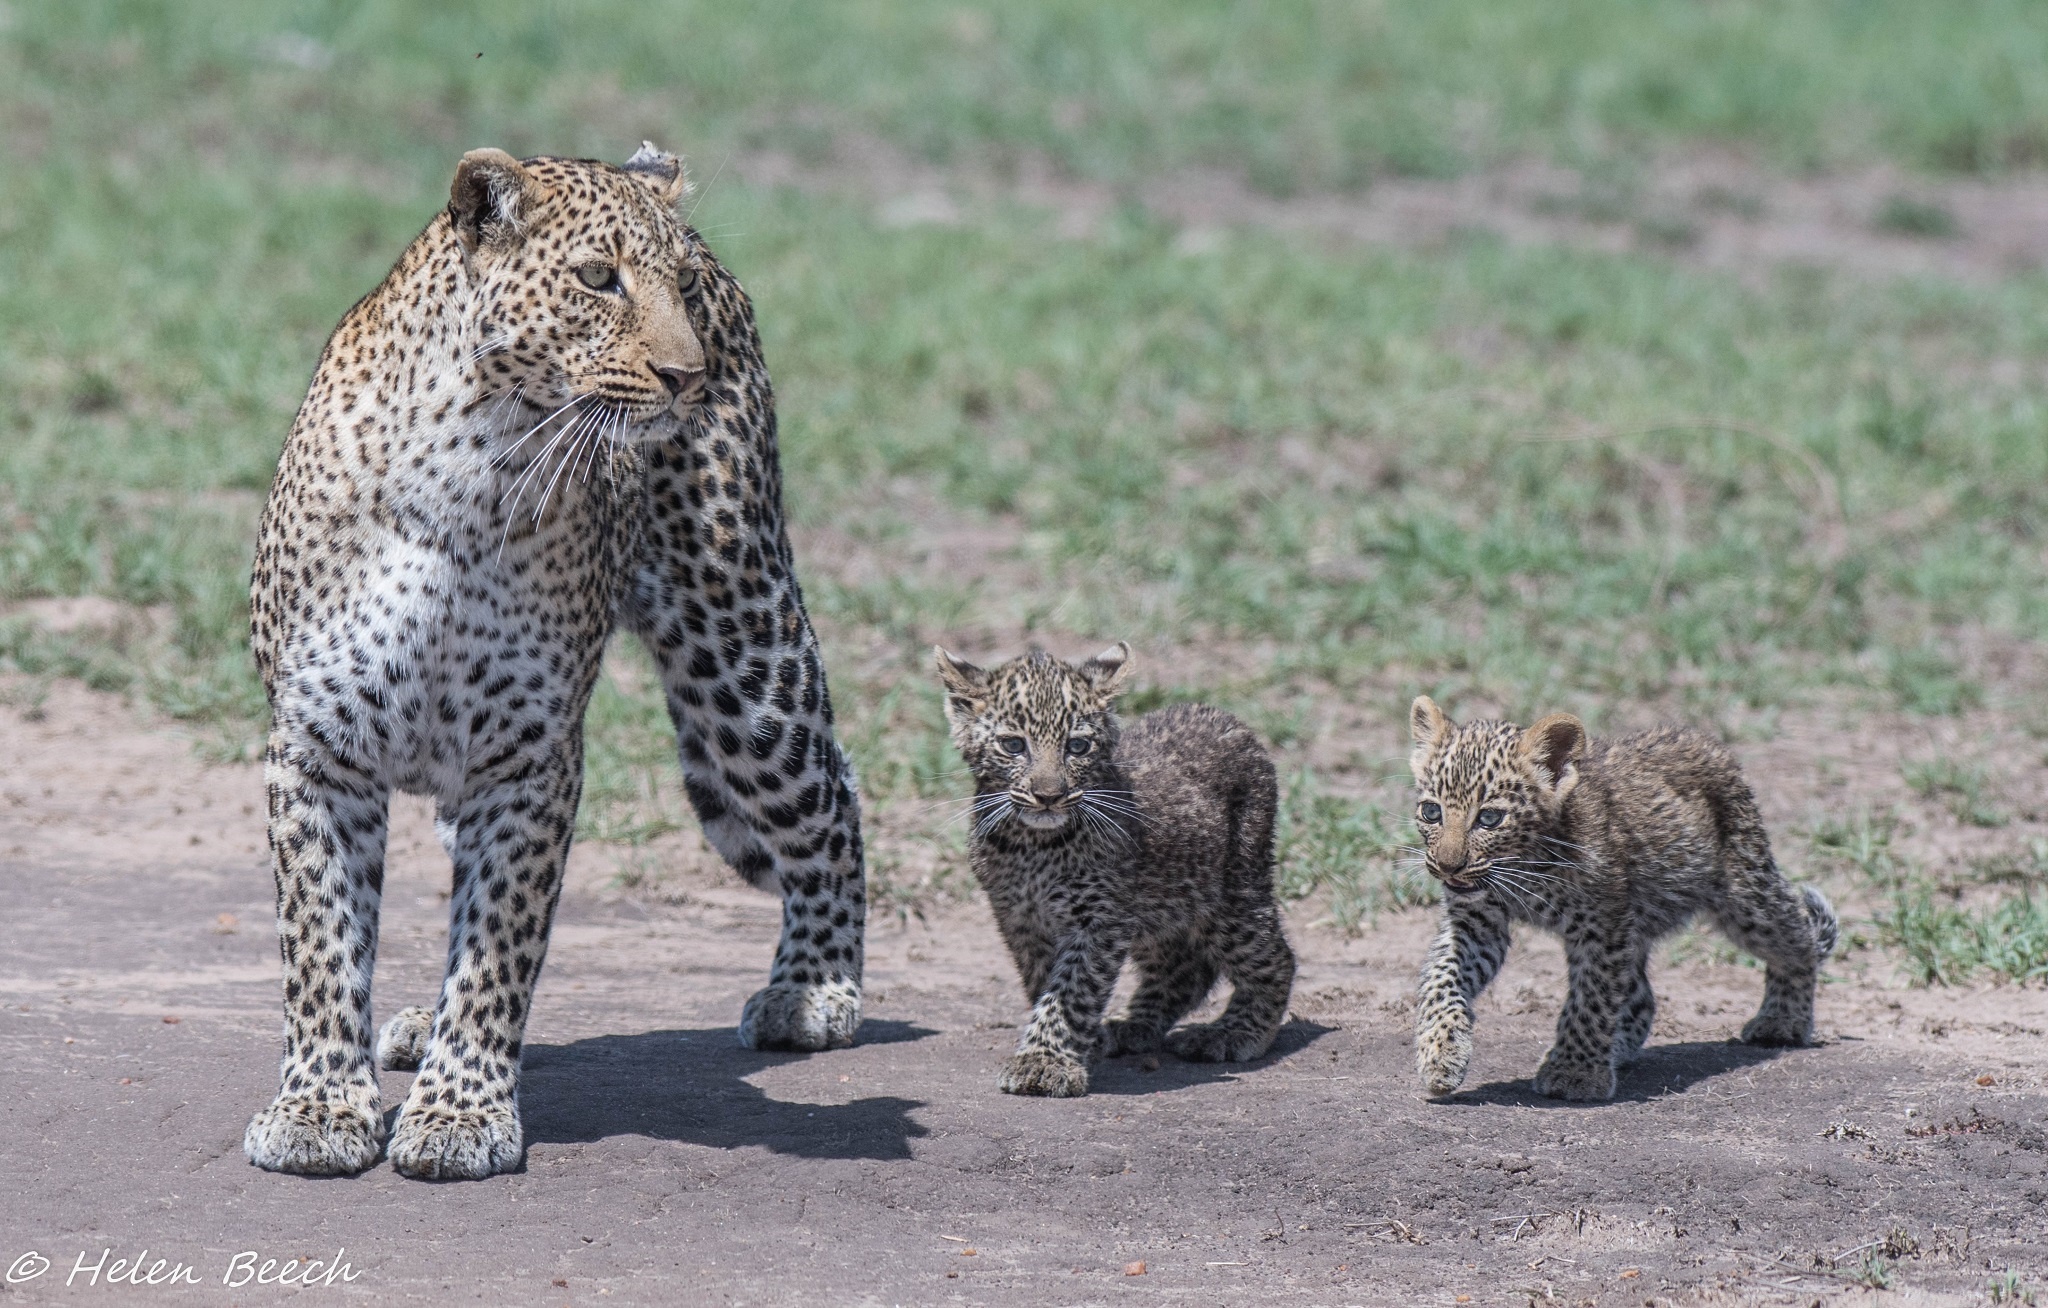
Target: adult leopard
point(550, 420)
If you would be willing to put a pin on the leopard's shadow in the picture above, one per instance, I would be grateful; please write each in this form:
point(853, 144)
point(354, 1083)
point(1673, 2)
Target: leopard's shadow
point(690, 1086)
point(1665, 1069)
point(1128, 1075)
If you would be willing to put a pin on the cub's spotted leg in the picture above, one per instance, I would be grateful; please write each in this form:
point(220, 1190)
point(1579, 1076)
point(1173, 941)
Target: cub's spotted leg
point(1256, 956)
point(327, 825)
point(1065, 1030)
point(508, 837)
point(1468, 951)
point(1174, 976)
point(1603, 970)
point(1793, 931)
point(1637, 1017)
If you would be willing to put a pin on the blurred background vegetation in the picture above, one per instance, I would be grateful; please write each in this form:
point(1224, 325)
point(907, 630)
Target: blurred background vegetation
point(1310, 477)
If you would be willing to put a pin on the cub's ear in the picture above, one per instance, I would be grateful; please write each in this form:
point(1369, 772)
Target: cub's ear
point(1426, 722)
point(1105, 672)
point(1429, 726)
point(662, 171)
point(489, 199)
point(962, 679)
point(1554, 745)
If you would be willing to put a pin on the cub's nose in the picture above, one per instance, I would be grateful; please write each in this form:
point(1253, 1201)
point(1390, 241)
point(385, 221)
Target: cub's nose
point(679, 381)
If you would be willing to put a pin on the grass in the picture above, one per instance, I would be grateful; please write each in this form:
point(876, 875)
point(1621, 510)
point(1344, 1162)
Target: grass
point(1513, 475)
point(1965, 789)
point(1353, 851)
point(1946, 943)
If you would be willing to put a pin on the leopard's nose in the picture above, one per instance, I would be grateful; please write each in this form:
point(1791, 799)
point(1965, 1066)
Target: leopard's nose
point(679, 381)
point(1047, 798)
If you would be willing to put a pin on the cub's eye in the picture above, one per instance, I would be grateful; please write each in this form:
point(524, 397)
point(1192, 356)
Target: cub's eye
point(686, 280)
point(599, 276)
point(1012, 745)
point(1430, 811)
point(1079, 745)
point(1491, 818)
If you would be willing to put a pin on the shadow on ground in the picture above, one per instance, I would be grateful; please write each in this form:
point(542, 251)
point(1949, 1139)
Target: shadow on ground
point(690, 1086)
point(1662, 1070)
point(1127, 1076)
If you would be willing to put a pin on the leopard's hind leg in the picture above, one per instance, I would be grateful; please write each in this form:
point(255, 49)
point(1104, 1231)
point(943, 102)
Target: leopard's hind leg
point(1792, 929)
point(1253, 951)
point(1174, 976)
point(1638, 1014)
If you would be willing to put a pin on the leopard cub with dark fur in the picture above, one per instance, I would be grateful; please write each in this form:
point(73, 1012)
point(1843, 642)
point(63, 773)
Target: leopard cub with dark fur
point(1612, 845)
point(1097, 841)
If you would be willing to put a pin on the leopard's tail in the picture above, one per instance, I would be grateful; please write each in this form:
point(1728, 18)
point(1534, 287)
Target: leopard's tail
point(1825, 930)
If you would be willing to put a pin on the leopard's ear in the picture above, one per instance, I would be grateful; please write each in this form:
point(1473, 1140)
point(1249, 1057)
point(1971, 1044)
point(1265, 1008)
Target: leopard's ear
point(1554, 746)
point(1428, 725)
point(489, 199)
point(662, 171)
point(966, 685)
point(1105, 672)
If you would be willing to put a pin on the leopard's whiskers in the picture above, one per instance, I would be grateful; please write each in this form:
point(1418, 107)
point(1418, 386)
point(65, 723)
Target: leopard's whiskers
point(499, 460)
point(584, 422)
point(517, 492)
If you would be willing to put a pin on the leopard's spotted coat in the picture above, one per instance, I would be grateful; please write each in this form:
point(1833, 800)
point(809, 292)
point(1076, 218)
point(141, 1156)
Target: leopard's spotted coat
point(1612, 845)
point(1096, 841)
point(550, 420)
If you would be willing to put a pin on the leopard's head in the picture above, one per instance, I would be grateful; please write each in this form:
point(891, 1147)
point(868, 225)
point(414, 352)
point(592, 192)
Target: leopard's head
point(1038, 734)
point(1488, 794)
point(585, 289)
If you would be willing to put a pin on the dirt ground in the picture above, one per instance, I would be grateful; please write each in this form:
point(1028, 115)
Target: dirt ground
point(138, 998)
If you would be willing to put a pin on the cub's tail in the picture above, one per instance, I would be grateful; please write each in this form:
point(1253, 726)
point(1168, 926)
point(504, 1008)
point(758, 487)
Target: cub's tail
point(1822, 915)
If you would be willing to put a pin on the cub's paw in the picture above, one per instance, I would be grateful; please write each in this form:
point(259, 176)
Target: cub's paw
point(1781, 1030)
point(802, 1017)
point(403, 1041)
point(311, 1136)
point(1121, 1037)
point(1055, 1076)
point(1441, 1058)
point(433, 1142)
point(1215, 1043)
point(1575, 1081)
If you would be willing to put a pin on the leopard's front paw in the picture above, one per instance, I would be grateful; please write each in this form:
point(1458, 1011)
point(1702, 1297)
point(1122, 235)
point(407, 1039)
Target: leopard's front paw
point(1215, 1043)
point(1582, 1082)
point(433, 1142)
point(802, 1017)
point(313, 1136)
point(1442, 1055)
point(1056, 1076)
point(1120, 1037)
point(1783, 1030)
point(403, 1041)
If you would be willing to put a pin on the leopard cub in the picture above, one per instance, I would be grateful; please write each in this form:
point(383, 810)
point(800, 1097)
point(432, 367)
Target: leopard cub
point(1097, 841)
point(1611, 845)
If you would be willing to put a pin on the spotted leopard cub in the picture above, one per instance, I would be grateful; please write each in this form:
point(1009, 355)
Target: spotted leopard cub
point(1096, 841)
point(1612, 845)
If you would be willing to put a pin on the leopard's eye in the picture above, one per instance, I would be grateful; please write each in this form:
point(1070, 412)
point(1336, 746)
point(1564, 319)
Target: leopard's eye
point(1430, 811)
point(1079, 745)
point(1491, 817)
point(1012, 745)
point(599, 276)
point(686, 280)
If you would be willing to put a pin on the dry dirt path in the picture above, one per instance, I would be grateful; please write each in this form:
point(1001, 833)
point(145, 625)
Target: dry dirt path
point(138, 983)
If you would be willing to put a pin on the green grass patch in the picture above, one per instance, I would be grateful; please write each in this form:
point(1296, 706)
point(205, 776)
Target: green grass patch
point(1351, 850)
point(1947, 942)
point(1964, 789)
